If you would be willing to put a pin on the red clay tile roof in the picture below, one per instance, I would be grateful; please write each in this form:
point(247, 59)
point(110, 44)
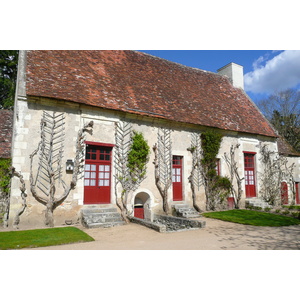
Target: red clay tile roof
point(136, 82)
point(284, 148)
point(6, 129)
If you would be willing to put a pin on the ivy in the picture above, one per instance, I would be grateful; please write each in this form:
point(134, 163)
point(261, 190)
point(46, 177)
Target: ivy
point(217, 188)
point(138, 156)
point(5, 175)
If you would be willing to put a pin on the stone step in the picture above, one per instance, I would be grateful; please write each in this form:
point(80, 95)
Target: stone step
point(99, 210)
point(185, 211)
point(94, 216)
point(105, 225)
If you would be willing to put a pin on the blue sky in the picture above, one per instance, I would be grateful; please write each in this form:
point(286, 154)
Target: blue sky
point(265, 71)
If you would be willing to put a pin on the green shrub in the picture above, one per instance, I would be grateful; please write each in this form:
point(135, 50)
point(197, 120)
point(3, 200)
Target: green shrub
point(285, 212)
point(277, 211)
point(5, 164)
point(267, 209)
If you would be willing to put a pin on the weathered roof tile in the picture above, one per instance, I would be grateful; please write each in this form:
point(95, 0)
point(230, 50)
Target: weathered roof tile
point(136, 82)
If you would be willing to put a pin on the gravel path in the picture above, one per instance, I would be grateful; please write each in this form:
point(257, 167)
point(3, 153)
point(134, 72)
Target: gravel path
point(217, 235)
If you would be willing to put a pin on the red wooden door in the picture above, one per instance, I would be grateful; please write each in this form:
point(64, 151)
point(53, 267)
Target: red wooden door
point(297, 193)
point(250, 185)
point(284, 193)
point(97, 175)
point(177, 178)
point(139, 212)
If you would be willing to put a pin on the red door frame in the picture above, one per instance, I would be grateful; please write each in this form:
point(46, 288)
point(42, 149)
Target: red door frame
point(177, 177)
point(297, 192)
point(250, 181)
point(97, 181)
point(284, 193)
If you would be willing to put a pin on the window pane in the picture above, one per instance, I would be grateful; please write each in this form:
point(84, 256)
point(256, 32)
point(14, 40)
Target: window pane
point(93, 167)
point(106, 182)
point(106, 175)
point(173, 178)
point(101, 175)
point(101, 168)
point(93, 182)
point(178, 178)
point(101, 182)
point(86, 174)
point(93, 175)
point(86, 182)
point(87, 167)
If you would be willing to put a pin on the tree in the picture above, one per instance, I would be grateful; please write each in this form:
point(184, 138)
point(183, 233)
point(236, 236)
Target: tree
point(131, 158)
point(231, 162)
point(163, 165)
point(282, 109)
point(45, 184)
point(8, 77)
point(195, 178)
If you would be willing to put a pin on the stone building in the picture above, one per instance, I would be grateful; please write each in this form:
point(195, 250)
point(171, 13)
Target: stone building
point(151, 94)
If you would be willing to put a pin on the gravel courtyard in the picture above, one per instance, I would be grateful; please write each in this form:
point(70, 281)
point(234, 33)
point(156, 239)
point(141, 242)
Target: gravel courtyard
point(217, 235)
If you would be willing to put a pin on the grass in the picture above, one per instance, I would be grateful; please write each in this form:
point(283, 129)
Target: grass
point(255, 218)
point(42, 237)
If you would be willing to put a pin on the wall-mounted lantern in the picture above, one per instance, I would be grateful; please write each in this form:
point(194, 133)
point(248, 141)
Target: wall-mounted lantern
point(69, 166)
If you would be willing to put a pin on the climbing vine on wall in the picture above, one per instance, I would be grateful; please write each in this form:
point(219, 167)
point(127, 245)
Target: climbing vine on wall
point(217, 188)
point(5, 176)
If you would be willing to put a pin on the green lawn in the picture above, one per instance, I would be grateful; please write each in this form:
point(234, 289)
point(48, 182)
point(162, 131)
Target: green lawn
point(42, 237)
point(250, 217)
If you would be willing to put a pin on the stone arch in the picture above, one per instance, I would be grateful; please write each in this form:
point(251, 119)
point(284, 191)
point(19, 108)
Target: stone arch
point(142, 202)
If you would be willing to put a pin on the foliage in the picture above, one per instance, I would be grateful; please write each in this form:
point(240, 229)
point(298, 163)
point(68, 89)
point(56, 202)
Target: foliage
point(42, 237)
point(8, 77)
point(138, 157)
point(5, 175)
point(291, 207)
point(282, 109)
point(250, 217)
point(217, 188)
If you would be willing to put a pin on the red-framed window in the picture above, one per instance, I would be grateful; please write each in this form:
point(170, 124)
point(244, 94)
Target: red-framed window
point(250, 174)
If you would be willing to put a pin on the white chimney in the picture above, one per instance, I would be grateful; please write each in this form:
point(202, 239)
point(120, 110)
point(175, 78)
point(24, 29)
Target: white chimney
point(235, 73)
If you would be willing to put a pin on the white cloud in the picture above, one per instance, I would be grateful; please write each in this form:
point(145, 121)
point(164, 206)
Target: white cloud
point(279, 73)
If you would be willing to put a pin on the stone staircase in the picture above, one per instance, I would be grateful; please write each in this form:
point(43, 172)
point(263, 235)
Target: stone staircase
point(185, 211)
point(96, 216)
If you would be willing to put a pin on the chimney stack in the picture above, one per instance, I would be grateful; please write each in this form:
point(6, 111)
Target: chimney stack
point(235, 73)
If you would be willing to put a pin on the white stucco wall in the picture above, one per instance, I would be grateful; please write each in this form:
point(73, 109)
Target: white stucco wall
point(27, 137)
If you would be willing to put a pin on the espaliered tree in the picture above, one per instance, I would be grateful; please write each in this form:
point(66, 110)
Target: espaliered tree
point(275, 170)
point(44, 185)
point(163, 165)
point(234, 175)
point(131, 158)
point(195, 178)
point(217, 188)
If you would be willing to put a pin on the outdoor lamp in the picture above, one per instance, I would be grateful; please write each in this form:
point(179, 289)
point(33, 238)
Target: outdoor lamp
point(69, 165)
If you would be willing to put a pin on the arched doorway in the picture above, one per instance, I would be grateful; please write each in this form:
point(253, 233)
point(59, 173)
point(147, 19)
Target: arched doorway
point(139, 204)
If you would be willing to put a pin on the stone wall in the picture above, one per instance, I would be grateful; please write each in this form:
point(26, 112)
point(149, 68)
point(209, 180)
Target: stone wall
point(27, 136)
